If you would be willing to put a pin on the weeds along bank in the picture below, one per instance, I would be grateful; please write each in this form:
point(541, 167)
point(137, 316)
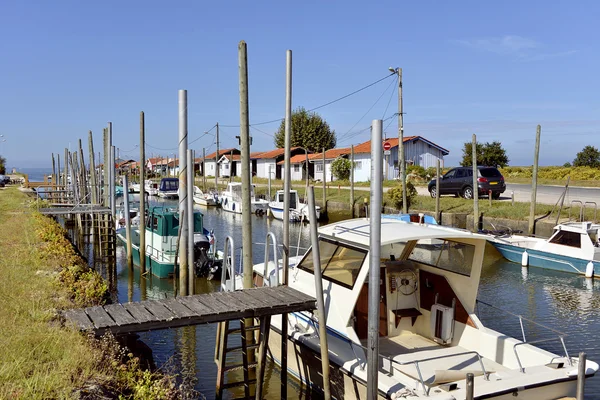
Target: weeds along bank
point(39, 357)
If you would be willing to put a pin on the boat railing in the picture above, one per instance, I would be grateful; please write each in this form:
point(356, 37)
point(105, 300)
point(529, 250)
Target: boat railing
point(266, 277)
point(559, 338)
point(228, 265)
point(582, 207)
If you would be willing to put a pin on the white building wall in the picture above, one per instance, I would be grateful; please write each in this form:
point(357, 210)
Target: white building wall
point(422, 154)
point(262, 168)
point(210, 167)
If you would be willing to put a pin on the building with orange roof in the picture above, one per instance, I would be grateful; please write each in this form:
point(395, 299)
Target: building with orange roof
point(270, 161)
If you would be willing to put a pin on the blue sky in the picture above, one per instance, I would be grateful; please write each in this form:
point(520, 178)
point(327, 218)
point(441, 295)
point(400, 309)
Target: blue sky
point(494, 69)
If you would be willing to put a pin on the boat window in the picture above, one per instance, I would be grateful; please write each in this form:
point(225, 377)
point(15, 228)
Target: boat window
point(340, 263)
point(567, 238)
point(445, 254)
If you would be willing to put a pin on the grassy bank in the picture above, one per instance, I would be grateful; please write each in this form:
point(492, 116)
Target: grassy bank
point(40, 359)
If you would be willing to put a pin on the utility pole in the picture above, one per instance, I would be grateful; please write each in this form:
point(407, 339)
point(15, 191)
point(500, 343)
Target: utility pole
point(401, 157)
point(142, 195)
point(536, 156)
point(217, 161)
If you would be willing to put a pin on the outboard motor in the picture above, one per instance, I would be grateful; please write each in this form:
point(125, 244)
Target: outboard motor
point(202, 260)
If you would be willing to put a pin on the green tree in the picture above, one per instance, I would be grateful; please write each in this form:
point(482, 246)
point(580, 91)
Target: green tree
point(340, 168)
point(488, 154)
point(309, 131)
point(588, 157)
point(2, 165)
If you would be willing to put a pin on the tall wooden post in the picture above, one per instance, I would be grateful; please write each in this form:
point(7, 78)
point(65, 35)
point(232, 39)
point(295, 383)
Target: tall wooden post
point(53, 181)
point(93, 181)
point(183, 193)
point(84, 192)
point(217, 161)
point(105, 175)
point(536, 156)
point(401, 156)
point(58, 178)
point(204, 168)
point(245, 157)
point(437, 192)
point(352, 178)
point(142, 197)
point(475, 186)
point(324, 185)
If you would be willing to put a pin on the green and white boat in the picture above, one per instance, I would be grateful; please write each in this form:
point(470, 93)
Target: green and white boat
point(162, 230)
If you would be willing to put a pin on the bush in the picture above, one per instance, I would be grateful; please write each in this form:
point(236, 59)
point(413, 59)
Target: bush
point(340, 168)
point(395, 194)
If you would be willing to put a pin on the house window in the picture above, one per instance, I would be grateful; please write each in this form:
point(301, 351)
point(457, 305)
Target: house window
point(296, 167)
point(319, 167)
point(211, 167)
point(226, 166)
point(358, 165)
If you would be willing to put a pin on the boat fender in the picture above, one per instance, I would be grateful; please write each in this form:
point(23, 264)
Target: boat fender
point(589, 270)
point(525, 259)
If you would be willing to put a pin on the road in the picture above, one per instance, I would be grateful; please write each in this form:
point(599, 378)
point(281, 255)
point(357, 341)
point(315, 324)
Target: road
point(545, 194)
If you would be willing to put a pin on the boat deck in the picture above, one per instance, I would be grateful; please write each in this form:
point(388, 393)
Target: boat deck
point(440, 363)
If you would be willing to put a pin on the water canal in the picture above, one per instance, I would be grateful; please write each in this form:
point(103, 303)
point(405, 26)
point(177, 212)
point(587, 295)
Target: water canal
point(564, 302)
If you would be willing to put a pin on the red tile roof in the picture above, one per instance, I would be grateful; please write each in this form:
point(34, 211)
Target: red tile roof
point(274, 153)
point(330, 154)
point(297, 159)
point(221, 152)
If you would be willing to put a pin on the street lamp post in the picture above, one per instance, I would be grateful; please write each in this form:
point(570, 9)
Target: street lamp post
point(401, 162)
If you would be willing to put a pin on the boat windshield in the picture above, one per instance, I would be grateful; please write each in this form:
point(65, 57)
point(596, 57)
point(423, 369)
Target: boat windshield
point(340, 263)
point(567, 238)
point(445, 254)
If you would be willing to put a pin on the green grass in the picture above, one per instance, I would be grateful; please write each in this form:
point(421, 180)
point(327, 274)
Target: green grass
point(38, 359)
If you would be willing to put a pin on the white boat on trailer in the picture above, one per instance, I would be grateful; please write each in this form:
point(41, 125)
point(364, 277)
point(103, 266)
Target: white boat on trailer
point(429, 335)
point(205, 199)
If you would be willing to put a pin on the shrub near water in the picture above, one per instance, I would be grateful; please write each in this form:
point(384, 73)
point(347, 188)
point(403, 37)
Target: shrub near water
point(39, 359)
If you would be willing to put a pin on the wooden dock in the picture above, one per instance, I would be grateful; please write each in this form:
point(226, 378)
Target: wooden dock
point(70, 209)
point(189, 310)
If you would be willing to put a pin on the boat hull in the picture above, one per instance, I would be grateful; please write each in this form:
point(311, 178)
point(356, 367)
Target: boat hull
point(159, 268)
point(304, 364)
point(236, 207)
point(543, 259)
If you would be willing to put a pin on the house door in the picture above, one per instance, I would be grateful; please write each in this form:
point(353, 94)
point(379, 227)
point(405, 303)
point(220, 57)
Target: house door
point(361, 311)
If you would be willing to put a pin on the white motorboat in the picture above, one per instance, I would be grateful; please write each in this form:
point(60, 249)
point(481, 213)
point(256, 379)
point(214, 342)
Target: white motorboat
point(204, 199)
point(429, 334)
point(169, 188)
point(298, 211)
point(150, 187)
point(573, 247)
point(231, 200)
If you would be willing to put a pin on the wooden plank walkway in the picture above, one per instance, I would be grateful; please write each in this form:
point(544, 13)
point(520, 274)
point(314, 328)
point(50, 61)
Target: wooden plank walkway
point(86, 209)
point(189, 310)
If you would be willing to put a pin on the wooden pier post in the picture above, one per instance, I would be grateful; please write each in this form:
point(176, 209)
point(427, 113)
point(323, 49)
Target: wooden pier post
point(536, 156)
point(93, 181)
point(183, 193)
point(437, 192)
point(324, 209)
point(58, 178)
point(127, 222)
point(580, 375)
point(204, 169)
point(142, 197)
point(322, 316)
point(352, 179)
point(475, 190)
point(470, 386)
point(105, 176)
point(83, 175)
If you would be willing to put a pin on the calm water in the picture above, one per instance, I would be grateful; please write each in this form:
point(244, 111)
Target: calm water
point(565, 302)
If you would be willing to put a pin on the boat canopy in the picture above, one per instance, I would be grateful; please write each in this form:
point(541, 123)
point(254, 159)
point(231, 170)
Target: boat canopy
point(165, 221)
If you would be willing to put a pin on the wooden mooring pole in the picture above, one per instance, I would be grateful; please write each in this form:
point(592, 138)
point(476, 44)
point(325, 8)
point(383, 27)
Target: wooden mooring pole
point(314, 240)
point(128, 221)
point(580, 375)
point(142, 197)
point(437, 192)
point(352, 179)
point(475, 190)
point(536, 156)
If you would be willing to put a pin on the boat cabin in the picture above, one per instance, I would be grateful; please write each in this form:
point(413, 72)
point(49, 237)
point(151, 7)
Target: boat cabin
point(169, 185)
point(164, 221)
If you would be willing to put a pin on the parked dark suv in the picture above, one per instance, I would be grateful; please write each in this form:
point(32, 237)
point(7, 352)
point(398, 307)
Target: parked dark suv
point(459, 181)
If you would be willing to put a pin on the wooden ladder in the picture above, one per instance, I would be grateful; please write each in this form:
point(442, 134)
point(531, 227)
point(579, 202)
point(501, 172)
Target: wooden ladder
point(222, 349)
point(108, 237)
